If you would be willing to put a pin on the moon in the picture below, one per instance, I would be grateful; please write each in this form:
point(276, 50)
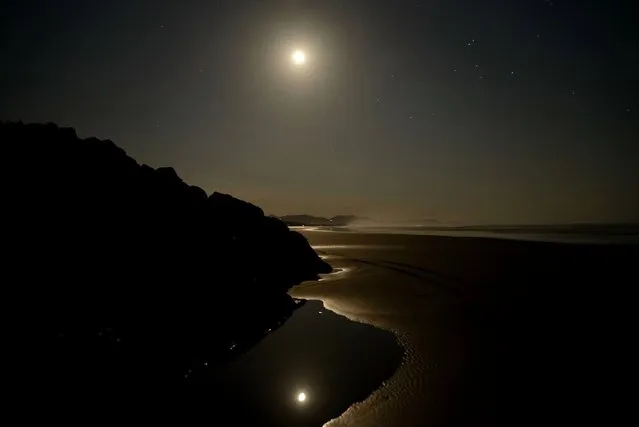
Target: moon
point(298, 57)
point(301, 397)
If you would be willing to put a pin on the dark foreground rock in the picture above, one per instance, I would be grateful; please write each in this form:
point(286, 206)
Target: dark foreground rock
point(115, 270)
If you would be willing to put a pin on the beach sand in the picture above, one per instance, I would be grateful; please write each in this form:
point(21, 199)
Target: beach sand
point(495, 332)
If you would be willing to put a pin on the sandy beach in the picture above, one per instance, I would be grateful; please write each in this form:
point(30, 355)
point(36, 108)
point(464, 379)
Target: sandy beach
point(494, 331)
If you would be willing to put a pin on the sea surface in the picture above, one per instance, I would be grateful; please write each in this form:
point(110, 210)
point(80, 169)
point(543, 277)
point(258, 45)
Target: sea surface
point(494, 331)
point(572, 233)
point(415, 328)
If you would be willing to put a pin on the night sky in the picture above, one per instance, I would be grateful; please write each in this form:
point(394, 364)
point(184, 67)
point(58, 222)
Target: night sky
point(475, 111)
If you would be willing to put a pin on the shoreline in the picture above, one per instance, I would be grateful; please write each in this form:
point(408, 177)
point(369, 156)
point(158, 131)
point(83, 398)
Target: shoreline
point(316, 352)
point(523, 235)
point(486, 324)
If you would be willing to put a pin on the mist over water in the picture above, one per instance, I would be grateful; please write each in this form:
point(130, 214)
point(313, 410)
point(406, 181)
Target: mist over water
point(559, 233)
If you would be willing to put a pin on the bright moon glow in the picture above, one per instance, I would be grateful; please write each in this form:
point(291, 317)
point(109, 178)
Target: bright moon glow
point(298, 57)
point(301, 397)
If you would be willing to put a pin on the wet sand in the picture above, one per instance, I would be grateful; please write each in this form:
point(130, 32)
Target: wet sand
point(330, 359)
point(495, 332)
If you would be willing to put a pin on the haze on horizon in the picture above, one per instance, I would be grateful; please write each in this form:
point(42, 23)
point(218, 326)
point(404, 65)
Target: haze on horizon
point(471, 111)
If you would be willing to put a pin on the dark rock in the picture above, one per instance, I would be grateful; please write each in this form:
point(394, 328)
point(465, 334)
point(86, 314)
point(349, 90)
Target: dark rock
point(95, 241)
point(234, 210)
point(197, 193)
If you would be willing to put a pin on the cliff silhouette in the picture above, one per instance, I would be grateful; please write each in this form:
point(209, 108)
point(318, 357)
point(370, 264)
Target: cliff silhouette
point(115, 267)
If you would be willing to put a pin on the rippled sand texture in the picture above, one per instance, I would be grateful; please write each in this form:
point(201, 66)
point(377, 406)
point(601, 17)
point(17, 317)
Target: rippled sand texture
point(446, 299)
point(424, 320)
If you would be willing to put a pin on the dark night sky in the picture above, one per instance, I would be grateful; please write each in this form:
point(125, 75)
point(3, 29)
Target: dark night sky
point(475, 111)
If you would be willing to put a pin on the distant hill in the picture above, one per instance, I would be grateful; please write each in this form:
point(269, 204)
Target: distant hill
point(310, 220)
